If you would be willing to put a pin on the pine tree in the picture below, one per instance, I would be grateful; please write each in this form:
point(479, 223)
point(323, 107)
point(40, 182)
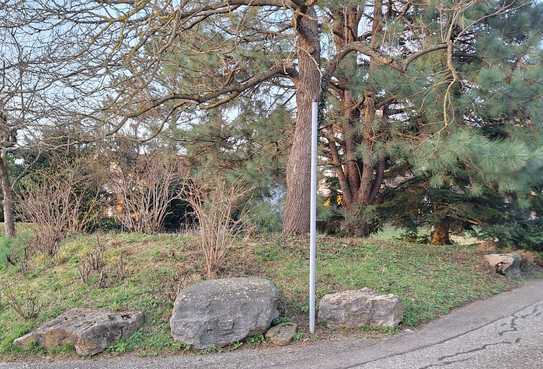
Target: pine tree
point(482, 167)
point(400, 84)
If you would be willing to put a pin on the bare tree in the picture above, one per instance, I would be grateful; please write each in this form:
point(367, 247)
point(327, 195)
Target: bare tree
point(7, 139)
point(119, 51)
point(11, 88)
point(25, 103)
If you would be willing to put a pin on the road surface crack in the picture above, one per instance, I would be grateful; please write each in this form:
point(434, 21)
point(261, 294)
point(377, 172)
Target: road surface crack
point(472, 351)
point(449, 339)
point(515, 317)
point(445, 363)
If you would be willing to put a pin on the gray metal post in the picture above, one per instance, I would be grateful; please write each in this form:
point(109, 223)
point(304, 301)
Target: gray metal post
point(313, 218)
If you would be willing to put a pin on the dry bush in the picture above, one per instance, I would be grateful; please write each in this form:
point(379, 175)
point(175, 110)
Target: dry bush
point(216, 205)
point(26, 305)
point(53, 202)
point(94, 264)
point(111, 275)
point(145, 190)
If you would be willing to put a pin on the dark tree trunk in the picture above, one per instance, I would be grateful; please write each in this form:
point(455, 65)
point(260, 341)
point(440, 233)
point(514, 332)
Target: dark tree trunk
point(9, 218)
point(356, 227)
point(296, 211)
point(360, 179)
point(440, 234)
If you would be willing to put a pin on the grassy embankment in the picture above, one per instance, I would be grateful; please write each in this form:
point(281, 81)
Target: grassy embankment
point(429, 280)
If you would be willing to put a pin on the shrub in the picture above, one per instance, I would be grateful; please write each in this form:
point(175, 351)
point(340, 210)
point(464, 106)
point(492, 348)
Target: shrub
point(216, 205)
point(145, 190)
point(525, 234)
point(52, 202)
point(94, 264)
point(264, 215)
point(25, 304)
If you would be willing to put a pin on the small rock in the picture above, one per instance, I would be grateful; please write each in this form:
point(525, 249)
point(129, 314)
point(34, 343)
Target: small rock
point(505, 264)
point(357, 308)
point(222, 311)
point(89, 331)
point(282, 334)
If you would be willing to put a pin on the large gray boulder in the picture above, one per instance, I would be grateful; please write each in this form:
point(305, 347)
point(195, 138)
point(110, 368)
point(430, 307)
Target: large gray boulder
point(223, 311)
point(505, 264)
point(89, 331)
point(357, 308)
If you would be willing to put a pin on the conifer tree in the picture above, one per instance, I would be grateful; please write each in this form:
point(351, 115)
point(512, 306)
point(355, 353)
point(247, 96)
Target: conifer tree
point(482, 166)
point(400, 83)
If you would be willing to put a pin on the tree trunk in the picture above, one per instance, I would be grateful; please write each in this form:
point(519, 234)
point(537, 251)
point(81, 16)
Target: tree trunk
point(440, 234)
point(360, 178)
point(9, 218)
point(296, 211)
point(365, 174)
point(357, 227)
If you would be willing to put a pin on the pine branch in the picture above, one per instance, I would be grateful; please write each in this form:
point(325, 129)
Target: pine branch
point(235, 88)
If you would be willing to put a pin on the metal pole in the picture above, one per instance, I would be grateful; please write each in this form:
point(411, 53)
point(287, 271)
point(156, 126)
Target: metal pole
point(313, 219)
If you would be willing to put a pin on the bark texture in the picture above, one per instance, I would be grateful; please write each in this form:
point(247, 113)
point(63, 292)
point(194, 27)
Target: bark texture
point(296, 212)
point(440, 234)
point(7, 203)
point(7, 139)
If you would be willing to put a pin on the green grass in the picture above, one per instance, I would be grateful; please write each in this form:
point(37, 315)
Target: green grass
point(429, 280)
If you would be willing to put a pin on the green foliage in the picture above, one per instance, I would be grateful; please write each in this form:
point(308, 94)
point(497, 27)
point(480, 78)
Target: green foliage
point(257, 339)
point(520, 225)
point(5, 251)
point(298, 336)
point(64, 349)
point(507, 165)
point(484, 162)
point(281, 320)
point(108, 224)
point(388, 331)
point(522, 234)
point(264, 215)
point(413, 235)
point(127, 344)
point(17, 329)
point(470, 179)
point(267, 253)
point(251, 148)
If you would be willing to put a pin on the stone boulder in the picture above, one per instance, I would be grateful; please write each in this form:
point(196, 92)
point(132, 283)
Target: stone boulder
point(281, 334)
point(220, 312)
point(505, 264)
point(89, 331)
point(357, 308)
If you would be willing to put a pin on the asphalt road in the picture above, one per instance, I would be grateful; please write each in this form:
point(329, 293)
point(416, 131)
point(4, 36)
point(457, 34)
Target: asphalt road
point(505, 331)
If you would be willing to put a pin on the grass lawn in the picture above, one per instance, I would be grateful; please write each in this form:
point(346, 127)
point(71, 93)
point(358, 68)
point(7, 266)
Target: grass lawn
point(429, 280)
